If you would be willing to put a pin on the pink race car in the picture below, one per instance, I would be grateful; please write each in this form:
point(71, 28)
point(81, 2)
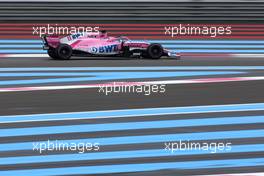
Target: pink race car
point(100, 44)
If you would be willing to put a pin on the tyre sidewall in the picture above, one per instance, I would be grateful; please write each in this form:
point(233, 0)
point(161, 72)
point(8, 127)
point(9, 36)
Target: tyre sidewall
point(60, 53)
point(52, 53)
point(153, 55)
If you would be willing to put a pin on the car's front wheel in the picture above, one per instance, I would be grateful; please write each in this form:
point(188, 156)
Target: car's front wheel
point(155, 51)
point(64, 51)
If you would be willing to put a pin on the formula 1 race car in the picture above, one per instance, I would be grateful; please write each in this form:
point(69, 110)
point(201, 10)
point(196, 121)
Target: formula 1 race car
point(100, 44)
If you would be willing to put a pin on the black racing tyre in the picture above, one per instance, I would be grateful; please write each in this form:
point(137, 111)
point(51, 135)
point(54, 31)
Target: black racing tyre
point(52, 53)
point(126, 51)
point(155, 51)
point(64, 51)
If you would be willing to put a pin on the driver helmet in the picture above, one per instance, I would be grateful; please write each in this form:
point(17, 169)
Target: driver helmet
point(103, 34)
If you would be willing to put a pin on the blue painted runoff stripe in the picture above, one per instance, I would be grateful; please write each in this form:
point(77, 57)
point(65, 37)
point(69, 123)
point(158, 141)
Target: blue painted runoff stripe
point(143, 139)
point(15, 51)
point(99, 76)
point(21, 46)
point(127, 154)
point(8, 41)
point(119, 75)
point(12, 41)
point(132, 68)
point(133, 112)
point(130, 126)
point(121, 168)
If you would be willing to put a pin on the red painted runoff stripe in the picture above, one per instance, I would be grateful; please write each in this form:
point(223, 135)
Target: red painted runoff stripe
point(121, 28)
point(135, 31)
point(161, 32)
point(130, 24)
point(165, 37)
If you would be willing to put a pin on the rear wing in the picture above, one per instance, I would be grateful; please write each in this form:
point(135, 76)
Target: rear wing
point(50, 40)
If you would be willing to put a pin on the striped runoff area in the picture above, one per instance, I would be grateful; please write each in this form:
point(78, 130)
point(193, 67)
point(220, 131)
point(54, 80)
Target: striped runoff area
point(193, 139)
point(60, 78)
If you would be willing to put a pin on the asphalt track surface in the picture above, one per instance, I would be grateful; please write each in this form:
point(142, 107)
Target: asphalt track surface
point(122, 133)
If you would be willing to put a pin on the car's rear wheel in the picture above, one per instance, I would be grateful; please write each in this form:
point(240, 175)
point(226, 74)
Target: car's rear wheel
point(155, 51)
point(52, 53)
point(64, 51)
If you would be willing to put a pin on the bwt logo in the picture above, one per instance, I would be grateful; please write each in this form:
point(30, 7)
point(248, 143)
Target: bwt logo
point(104, 49)
point(74, 36)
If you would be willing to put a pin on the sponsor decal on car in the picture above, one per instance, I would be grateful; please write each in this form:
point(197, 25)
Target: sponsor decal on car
point(74, 36)
point(104, 49)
